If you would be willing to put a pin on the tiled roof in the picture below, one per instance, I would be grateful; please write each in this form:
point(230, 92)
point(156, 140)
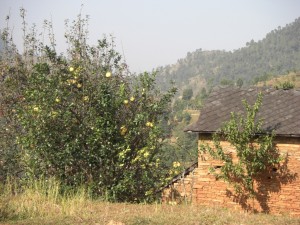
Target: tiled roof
point(280, 109)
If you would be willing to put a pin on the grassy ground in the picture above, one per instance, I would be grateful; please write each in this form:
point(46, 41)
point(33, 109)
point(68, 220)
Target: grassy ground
point(41, 203)
point(106, 213)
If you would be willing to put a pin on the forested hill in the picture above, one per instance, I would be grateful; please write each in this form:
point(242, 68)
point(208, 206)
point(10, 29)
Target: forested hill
point(276, 54)
point(1, 44)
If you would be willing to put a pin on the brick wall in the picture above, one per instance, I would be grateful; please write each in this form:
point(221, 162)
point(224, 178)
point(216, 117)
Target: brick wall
point(279, 190)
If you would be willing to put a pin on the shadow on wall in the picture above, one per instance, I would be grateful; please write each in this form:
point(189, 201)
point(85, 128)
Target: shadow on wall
point(268, 182)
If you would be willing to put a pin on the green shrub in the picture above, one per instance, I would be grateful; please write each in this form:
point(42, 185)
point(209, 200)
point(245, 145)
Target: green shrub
point(85, 119)
point(285, 85)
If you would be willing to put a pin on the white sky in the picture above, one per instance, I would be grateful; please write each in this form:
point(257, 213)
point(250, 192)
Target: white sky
point(159, 32)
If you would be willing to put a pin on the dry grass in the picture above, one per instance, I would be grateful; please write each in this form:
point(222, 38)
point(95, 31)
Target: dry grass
point(41, 204)
point(291, 77)
point(105, 213)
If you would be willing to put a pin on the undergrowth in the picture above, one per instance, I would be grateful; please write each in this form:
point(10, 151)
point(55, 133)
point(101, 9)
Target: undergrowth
point(39, 198)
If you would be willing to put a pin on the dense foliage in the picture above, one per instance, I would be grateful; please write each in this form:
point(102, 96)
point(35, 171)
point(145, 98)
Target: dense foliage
point(83, 119)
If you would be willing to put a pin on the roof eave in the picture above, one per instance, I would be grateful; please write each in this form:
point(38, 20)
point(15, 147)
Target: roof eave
point(212, 132)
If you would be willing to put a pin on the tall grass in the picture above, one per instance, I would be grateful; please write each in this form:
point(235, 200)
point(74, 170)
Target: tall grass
point(39, 198)
point(48, 202)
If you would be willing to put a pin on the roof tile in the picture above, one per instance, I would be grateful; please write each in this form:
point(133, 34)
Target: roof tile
point(280, 109)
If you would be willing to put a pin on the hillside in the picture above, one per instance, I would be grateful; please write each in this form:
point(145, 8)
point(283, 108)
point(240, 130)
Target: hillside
point(292, 77)
point(1, 44)
point(276, 54)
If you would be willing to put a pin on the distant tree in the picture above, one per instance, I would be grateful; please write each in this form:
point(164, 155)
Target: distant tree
point(203, 93)
point(183, 116)
point(185, 148)
point(187, 94)
point(226, 82)
point(239, 82)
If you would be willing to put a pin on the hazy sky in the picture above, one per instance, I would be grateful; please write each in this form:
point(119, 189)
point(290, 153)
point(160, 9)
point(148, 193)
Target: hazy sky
point(158, 32)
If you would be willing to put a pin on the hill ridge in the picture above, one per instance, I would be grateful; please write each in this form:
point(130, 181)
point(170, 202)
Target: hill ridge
point(278, 53)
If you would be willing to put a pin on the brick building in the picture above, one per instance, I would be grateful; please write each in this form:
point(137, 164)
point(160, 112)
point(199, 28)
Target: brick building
point(279, 189)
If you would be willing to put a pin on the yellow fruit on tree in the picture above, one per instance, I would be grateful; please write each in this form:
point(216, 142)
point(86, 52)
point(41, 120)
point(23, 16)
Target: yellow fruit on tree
point(108, 74)
point(123, 130)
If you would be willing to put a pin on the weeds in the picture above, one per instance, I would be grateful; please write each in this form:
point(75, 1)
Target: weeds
point(39, 198)
point(49, 202)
